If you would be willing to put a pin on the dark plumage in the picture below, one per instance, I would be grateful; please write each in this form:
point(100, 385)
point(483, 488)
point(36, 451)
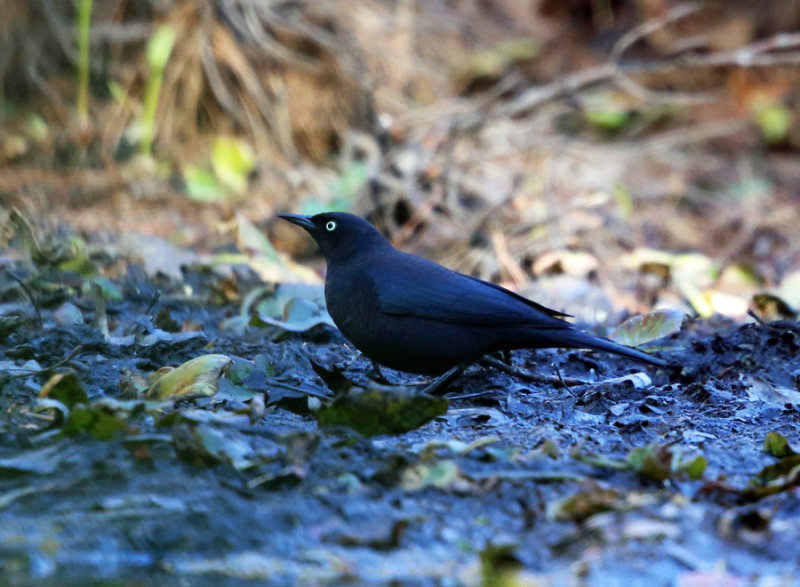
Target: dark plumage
point(413, 315)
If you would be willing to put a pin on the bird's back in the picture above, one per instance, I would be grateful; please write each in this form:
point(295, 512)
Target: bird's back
point(413, 286)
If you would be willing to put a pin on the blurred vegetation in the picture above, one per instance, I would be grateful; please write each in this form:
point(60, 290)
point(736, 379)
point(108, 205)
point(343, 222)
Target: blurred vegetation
point(489, 136)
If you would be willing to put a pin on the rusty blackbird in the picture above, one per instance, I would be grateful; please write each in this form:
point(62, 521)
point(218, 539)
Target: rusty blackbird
point(413, 315)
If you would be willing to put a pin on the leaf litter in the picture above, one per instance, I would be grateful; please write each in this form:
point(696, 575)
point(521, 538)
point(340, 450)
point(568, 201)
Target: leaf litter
point(271, 451)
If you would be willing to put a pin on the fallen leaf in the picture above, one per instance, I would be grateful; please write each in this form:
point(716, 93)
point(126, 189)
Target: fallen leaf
point(198, 377)
point(648, 327)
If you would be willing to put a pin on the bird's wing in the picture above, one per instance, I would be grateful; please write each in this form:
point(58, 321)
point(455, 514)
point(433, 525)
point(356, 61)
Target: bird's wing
point(412, 286)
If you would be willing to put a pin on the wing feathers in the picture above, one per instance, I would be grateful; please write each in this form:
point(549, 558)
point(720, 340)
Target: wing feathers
point(447, 296)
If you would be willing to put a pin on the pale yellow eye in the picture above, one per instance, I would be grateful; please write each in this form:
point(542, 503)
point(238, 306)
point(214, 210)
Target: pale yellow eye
point(330, 226)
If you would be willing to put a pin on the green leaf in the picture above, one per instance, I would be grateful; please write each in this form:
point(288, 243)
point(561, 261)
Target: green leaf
point(607, 119)
point(648, 327)
point(65, 388)
point(519, 48)
point(94, 421)
point(119, 93)
point(37, 127)
point(201, 185)
point(108, 289)
point(624, 200)
point(584, 504)
point(646, 462)
point(382, 411)
point(440, 474)
point(776, 445)
point(494, 61)
point(696, 467)
point(774, 121)
point(693, 273)
point(78, 263)
point(662, 462)
point(772, 479)
point(233, 160)
point(501, 567)
point(160, 46)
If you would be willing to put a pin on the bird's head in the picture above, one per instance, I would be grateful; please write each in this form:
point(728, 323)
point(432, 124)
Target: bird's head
point(339, 235)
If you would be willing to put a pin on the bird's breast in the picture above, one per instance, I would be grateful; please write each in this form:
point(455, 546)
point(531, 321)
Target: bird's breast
point(352, 301)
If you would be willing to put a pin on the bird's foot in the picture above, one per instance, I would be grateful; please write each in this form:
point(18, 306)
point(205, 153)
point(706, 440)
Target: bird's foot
point(439, 385)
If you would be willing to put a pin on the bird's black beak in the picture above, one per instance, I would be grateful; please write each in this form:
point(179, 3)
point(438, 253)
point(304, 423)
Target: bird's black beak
point(299, 220)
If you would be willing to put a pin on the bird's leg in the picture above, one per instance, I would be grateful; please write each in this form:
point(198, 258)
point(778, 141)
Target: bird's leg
point(439, 385)
point(377, 374)
point(531, 377)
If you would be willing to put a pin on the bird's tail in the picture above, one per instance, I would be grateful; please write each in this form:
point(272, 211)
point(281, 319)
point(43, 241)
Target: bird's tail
point(582, 340)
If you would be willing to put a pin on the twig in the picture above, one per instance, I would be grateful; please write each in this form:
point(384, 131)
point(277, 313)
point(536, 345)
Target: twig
point(669, 98)
point(537, 96)
point(100, 317)
point(153, 302)
point(696, 134)
point(296, 389)
point(507, 263)
point(28, 294)
point(250, 21)
point(522, 475)
point(648, 27)
point(561, 379)
point(755, 317)
point(73, 353)
point(531, 377)
point(751, 55)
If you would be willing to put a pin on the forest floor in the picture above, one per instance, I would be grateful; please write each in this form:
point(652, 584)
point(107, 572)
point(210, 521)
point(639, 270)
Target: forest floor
point(660, 477)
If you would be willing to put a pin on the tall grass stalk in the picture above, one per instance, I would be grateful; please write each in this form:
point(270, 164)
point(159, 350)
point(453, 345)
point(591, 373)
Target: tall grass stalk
point(84, 25)
point(159, 48)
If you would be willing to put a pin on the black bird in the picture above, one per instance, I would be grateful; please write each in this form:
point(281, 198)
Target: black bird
point(413, 315)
